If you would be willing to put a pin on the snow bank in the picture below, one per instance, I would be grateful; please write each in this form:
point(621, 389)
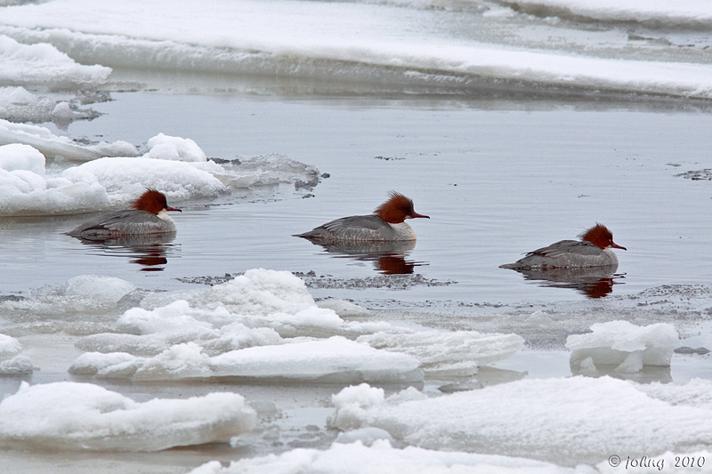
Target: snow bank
point(11, 362)
point(624, 345)
point(68, 415)
point(448, 352)
point(681, 13)
point(336, 360)
point(544, 419)
point(381, 458)
point(376, 45)
point(44, 64)
point(165, 147)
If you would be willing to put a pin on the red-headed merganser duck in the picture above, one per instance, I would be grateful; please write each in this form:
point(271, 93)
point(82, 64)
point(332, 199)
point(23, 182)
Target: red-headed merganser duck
point(148, 216)
point(593, 250)
point(387, 223)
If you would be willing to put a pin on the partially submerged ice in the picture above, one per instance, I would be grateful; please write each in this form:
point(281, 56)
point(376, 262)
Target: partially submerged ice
point(544, 419)
point(67, 415)
point(623, 345)
point(332, 360)
point(12, 362)
point(265, 325)
point(382, 458)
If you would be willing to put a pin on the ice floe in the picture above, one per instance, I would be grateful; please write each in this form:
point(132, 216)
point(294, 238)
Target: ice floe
point(544, 419)
point(20, 105)
point(79, 295)
point(382, 458)
point(43, 64)
point(690, 13)
point(332, 360)
point(114, 175)
point(623, 345)
point(448, 352)
point(12, 362)
point(67, 415)
point(384, 45)
point(264, 324)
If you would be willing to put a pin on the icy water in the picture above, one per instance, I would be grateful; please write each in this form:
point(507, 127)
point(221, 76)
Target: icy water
point(496, 179)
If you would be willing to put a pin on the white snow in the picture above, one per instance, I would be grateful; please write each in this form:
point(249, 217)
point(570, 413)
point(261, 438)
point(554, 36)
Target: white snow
point(325, 360)
point(81, 416)
point(381, 458)
point(545, 419)
point(326, 40)
point(623, 345)
point(11, 361)
point(448, 352)
point(165, 147)
point(660, 12)
point(44, 64)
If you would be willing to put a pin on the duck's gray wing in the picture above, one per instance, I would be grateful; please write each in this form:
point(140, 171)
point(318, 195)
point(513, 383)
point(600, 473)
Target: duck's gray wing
point(126, 222)
point(580, 247)
point(564, 253)
point(365, 228)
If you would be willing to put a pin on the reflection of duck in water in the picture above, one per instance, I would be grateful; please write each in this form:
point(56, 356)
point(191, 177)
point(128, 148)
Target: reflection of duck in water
point(147, 250)
point(595, 282)
point(593, 250)
point(148, 216)
point(388, 256)
point(387, 223)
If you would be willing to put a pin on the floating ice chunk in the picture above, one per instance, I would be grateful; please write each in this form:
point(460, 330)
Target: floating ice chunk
point(270, 170)
point(83, 416)
point(57, 146)
point(330, 360)
point(81, 294)
point(345, 309)
point(381, 458)
point(625, 345)
point(448, 352)
point(544, 418)
point(19, 105)
point(44, 64)
point(352, 402)
point(655, 12)
point(11, 362)
point(165, 147)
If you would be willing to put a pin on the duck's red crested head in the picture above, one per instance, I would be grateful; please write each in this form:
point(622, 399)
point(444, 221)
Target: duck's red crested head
point(397, 209)
point(601, 237)
point(153, 201)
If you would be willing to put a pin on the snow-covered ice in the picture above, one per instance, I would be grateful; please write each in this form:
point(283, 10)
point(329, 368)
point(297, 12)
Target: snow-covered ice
point(332, 360)
point(43, 64)
point(12, 362)
point(544, 419)
point(67, 415)
point(448, 352)
point(691, 13)
point(20, 105)
point(382, 458)
point(328, 40)
point(623, 345)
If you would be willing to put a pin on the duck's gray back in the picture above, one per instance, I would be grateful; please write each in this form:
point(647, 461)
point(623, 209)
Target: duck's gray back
point(565, 254)
point(359, 228)
point(118, 223)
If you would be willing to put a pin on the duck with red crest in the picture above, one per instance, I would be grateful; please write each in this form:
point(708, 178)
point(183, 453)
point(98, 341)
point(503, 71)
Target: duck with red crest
point(387, 223)
point(148, 215)
point(593, 250)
